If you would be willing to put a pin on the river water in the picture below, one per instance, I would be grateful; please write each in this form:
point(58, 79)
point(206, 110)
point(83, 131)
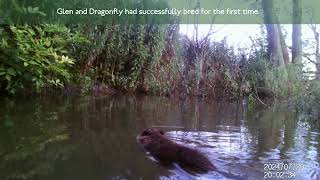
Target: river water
point(94, 138)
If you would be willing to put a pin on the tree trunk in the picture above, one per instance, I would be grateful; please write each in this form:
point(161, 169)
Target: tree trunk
point(284, 47)
point(275, 49)
point(274, 45)
point(317, 55)
point(296, 32)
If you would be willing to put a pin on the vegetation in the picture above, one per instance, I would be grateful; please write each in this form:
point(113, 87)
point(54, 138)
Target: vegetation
point(35, 57)
point(157, 59)
point(120, 56)
point(145, 58)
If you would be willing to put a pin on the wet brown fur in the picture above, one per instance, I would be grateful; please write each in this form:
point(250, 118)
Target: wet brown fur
point(166, 151)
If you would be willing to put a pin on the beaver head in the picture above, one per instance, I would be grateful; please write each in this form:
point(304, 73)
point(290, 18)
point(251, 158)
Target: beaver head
point(148, 137)
point(150, 131)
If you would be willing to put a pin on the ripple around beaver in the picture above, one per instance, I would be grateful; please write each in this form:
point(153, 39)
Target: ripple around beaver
point(169, 153)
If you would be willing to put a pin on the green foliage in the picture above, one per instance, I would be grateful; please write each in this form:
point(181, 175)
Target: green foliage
point(121, 55)
point(312, 102)
point(38, 11)
point(255, 72)
point(208, 68)
point(162, 77)
point(281, 81)
point(35, 56)
point(290, 84)
point(287, 81)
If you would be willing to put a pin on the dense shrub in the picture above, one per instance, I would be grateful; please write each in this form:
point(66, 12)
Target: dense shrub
point(210, 70)
point(120, 56)
point(35, 56)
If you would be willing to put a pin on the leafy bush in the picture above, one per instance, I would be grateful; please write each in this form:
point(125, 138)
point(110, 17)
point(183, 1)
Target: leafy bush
point(255, 72)
point(208, 68)
point(35, 56)
point(120, 56)
point(312, 102)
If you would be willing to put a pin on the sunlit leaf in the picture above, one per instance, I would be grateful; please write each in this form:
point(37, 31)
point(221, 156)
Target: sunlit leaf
point(11, 71)
point(8, 77)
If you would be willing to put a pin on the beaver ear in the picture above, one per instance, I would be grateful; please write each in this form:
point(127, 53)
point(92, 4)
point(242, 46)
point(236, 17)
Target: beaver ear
point(145, 133)
point(161, 132)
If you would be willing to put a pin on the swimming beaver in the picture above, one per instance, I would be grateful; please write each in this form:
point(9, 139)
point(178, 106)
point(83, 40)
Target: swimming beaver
point(168, 152)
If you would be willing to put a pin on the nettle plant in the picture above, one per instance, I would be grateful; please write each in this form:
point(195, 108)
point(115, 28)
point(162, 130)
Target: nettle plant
point(35, 57)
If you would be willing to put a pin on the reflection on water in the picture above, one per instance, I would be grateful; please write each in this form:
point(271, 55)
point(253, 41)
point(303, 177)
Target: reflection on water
point(94, 138)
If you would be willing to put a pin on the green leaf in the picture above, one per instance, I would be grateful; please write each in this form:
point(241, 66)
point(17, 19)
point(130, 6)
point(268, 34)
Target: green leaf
point(2, 73)
point(42, 13)
point(31, 31)
point(47, 42)
point(33, 62)
point(8, 77)
point(25, 64)
point(24, 9)
point(23, 59)
point(4, 43)
point(11, 71)
point(30, 10)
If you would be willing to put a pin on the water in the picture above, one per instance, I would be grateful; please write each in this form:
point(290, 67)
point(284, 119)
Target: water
point(86, 138)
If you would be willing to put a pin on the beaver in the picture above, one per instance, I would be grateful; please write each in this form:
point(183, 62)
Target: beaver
point(168, 152)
